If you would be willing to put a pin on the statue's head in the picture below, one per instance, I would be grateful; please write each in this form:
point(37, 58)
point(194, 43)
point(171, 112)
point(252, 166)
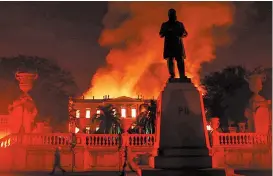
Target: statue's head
point(172, 15)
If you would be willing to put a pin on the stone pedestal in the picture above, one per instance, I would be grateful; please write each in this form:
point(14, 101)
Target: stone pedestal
point(181, 139)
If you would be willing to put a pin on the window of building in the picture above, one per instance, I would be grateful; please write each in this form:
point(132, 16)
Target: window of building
point(98, 111)
point(123, 112)
point(133, 113)
point(77, 130)
point(87, 130)
point(87, 115)
point(78, 114)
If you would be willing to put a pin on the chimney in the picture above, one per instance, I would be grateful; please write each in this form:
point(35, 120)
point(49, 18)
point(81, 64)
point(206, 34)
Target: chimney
point(93, 97)
point(108, 97)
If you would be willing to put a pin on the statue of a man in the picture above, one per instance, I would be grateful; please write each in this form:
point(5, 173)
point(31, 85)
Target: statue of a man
point(173, 31)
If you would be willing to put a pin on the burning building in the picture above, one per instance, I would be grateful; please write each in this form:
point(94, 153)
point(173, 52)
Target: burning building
point(84, 109)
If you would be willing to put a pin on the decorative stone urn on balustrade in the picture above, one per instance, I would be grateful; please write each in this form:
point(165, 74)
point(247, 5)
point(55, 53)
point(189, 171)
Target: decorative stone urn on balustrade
point(242, 127)
point(257, 113)
point(215, 123)
point(23, 110)
point(231, 126)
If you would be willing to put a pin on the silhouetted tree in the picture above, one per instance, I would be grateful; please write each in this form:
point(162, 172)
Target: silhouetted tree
point(227, 94)
point(50, 91)
point(145, 121)
point(109, 120)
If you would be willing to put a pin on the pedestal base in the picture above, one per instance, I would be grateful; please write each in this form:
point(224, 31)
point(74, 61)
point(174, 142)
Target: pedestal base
point(186, 157)
point(146, 171)
point(175, 162)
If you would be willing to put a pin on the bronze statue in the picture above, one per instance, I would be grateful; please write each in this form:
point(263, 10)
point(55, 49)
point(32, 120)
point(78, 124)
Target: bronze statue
point(173, 31)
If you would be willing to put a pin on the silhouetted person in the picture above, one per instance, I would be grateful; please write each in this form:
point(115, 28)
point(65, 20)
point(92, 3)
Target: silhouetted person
point(173, 31)
point(57, 161)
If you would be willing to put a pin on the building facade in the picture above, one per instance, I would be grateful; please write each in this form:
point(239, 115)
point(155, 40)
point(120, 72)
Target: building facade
point(85, 109)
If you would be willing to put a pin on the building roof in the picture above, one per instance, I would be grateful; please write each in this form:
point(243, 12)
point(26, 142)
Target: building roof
point(118, 99)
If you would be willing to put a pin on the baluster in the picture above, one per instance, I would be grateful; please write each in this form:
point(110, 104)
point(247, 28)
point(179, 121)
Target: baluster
point(136, 140)
point(251, 139)
point(48, 140)
point(91, 140)
point(87, 140)
point(221, 139)
point(105, 140)
point(94, 140)
point(247, 139)
point(115, 140)
point(99, 140)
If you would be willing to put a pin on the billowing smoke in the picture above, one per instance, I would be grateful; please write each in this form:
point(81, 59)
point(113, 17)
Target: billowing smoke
point(135, 64)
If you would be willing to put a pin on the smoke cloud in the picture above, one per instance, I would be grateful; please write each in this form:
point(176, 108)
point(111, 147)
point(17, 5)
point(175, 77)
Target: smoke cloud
point(135, 64)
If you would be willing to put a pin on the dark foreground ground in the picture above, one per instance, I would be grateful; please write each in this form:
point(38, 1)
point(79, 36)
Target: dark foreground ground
point(100, 173)
point(115, 173)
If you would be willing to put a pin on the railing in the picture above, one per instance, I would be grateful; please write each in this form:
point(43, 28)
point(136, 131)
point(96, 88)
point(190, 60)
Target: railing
point(134, 140)
point(60, 139)
point(88, 140)
point(8, 140)
point(108, 140)
point(240, 139)
point(141, 140)
point(102, 140)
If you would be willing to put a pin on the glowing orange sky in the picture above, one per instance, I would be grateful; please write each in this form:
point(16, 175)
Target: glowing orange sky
point(135, 65)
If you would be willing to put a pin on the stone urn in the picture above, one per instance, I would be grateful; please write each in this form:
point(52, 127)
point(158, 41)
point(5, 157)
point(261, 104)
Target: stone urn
point(215, 123)
point(257, 112)
point(25, 80)
point(232, 129)
point(23, 110)
point(242, 127)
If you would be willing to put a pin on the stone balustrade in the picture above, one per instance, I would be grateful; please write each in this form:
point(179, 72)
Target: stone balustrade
point(100, 140)
point(99, 151)
point(240, 139)
point(88, 140)
point(60, 139)
point(141, 140)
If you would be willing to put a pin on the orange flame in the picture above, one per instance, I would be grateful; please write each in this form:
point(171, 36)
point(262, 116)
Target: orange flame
point(135, 64)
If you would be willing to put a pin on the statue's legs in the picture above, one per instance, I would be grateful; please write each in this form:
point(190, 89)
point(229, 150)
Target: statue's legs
point(180, 66)
point(171, 67)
